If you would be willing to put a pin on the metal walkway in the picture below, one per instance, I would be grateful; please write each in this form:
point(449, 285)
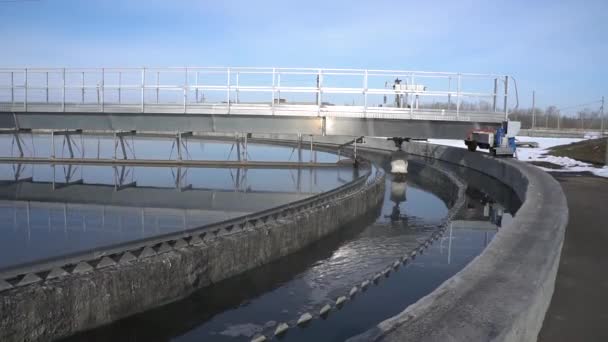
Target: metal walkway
point(254, 100)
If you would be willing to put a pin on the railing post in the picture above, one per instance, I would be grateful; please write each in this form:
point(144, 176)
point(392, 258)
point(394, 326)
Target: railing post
point(63, 90)
point(365, 83)
point(12, 89)
point(82, 89)
point(237, 87)
point(103, 86)
point(157, 85)
point(196, 86)
point(119, 86)
point(25, 83)
point(47, 87)
point(273, 89)
point(143, 87)
point(228, 89)
point(320, 94)
point(494, 94)
point(185, 90)
point(506, 97)
point(412, 96)
point(458, 97)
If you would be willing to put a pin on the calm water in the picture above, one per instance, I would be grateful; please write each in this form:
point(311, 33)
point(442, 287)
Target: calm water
point(51, 210)
point(255, 302)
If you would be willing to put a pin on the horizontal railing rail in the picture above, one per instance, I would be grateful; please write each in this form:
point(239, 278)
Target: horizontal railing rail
point(150, 90)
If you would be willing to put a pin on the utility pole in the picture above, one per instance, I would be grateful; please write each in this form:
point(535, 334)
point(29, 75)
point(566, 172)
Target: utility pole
point(533, 109)
point(602, 117)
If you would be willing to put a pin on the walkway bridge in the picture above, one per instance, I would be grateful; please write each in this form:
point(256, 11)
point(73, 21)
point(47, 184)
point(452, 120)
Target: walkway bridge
point(352, 102)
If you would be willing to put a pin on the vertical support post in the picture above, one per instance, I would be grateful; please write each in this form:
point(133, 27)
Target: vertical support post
point(119, 86)
point(273, 90)
point(458, 95)
point(300, 148)
point(319, 93)
point(47, 86)
point(506, 98)
point(238, 146)
point(179, 146)
point(115, 145)
point(449, 92)
point(52, 144)
point(412, 96)
point(237, 87)
point(602, 121)
point(103, 85)
point(63, 90)
point(185, 90)
point(196, 86)
point(228, 89)
point(157, 85)
point(25, 83)
point(533, 109)
point(82, 88)
point(245, 148)
point(279, 86)
point(12, 88)
point(311, 148)
point(143, 87)
point(494, 95)
point(365, 83)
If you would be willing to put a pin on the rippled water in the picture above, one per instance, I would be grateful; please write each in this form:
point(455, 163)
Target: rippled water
point(255, 302)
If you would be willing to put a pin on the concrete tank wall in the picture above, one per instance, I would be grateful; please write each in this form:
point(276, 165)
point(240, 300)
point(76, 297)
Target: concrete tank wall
point(503, 294)
point(92, 296)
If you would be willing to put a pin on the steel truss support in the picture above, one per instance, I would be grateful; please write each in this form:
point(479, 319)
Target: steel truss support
point(120, 177)
point(119, 139)
point(18, 139)
point(69, 173)
point(67, 140)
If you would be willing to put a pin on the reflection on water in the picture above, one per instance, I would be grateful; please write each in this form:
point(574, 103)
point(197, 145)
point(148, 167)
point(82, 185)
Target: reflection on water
point(255, 302)
point(50, 210)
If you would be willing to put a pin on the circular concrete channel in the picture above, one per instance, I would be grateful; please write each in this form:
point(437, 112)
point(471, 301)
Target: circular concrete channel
point(260, 301)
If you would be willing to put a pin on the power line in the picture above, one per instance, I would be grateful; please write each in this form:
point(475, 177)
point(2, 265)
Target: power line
point(580, 105)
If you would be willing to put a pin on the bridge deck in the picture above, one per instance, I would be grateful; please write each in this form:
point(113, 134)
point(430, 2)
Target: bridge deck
point(254, 100)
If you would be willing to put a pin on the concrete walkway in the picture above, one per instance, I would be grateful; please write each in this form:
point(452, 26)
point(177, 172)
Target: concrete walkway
point(579, 307)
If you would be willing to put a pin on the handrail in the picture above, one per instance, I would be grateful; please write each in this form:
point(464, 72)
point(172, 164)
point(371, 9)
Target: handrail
point(31, 87)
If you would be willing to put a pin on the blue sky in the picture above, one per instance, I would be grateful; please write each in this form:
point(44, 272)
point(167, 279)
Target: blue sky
point(559, 48)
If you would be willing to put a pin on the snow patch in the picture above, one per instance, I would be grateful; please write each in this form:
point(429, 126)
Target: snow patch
point(540, 154)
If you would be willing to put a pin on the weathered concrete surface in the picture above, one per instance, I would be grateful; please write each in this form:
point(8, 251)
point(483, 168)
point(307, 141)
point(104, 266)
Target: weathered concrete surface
point(503, 294)
point(60, 307)
point(579, 310)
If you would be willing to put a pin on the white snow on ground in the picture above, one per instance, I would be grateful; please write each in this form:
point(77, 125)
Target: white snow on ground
point(539, 154)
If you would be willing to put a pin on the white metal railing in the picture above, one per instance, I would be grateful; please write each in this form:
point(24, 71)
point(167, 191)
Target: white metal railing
point(272, 91)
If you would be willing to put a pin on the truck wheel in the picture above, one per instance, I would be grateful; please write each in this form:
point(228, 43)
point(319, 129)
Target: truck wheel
point(472, 145)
